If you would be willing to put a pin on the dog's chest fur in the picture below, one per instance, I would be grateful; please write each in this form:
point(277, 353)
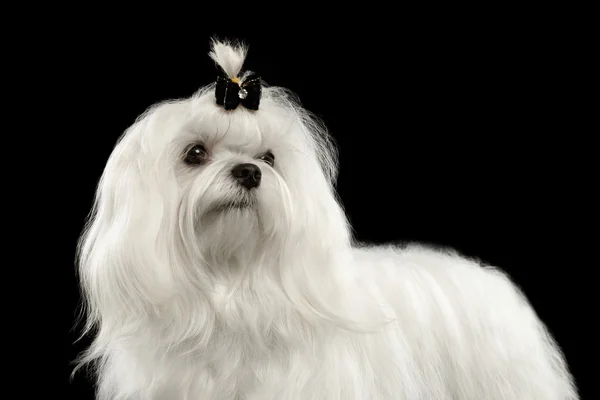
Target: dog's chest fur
point(269, 354)
point(239, 365)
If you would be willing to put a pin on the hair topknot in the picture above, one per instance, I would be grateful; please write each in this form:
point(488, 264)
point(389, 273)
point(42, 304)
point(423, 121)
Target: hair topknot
point(229, 56)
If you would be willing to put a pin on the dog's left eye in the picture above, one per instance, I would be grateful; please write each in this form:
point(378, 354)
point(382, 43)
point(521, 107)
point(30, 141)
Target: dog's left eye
point(268, 157)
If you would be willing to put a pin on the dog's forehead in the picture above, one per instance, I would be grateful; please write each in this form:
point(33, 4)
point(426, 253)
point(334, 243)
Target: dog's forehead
point(239, 129)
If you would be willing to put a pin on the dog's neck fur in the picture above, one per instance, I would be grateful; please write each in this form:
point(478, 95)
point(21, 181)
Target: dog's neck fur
point(258, 290)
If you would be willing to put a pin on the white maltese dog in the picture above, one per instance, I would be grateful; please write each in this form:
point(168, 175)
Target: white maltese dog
point(218, 264)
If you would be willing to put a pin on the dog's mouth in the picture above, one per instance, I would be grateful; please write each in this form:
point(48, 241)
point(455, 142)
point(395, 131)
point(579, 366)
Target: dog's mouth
point(233, 206)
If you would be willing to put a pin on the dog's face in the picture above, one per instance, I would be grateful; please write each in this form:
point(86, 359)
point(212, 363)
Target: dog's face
point(221, 183)
point(243, 177)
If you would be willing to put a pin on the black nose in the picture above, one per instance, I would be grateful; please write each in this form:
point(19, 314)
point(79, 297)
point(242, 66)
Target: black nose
point(248, 175)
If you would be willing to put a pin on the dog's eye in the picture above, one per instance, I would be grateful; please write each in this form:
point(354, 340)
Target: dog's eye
point(196, 154)
point(268, 157)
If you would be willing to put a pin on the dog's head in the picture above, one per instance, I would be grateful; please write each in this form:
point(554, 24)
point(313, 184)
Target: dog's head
point(205, 187)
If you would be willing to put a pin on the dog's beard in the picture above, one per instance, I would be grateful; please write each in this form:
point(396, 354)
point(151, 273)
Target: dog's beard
point(228, 228)
point(229, 234)
point(238, 227)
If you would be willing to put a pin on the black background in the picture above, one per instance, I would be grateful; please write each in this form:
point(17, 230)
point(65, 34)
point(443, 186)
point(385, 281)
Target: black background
point(452, 132)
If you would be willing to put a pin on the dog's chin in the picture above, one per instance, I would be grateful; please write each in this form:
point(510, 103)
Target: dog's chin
point(230, 229)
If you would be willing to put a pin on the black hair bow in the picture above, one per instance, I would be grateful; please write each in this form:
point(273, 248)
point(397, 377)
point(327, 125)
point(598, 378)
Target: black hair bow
point(230, 93)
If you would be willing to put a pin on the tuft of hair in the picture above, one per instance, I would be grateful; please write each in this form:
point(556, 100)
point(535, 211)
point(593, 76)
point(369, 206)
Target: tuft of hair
point(228, 55)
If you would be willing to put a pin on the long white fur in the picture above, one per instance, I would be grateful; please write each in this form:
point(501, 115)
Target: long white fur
point(276, 301)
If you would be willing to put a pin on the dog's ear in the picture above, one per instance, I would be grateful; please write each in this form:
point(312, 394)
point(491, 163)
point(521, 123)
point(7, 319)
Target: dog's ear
point(123, 253)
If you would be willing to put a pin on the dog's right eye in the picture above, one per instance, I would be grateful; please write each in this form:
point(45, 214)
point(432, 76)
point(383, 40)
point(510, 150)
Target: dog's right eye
point(195, 155)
